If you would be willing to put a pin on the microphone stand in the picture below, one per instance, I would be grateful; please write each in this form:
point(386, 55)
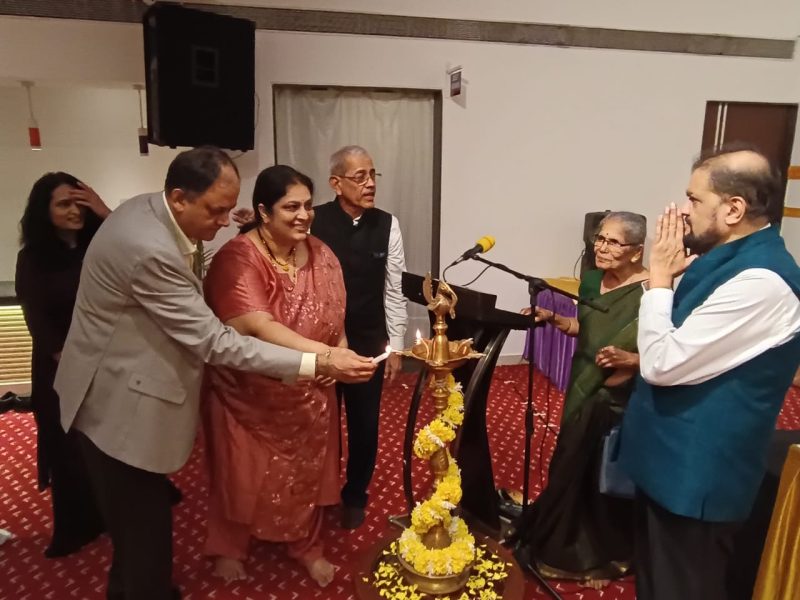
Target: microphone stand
point(535, 285)
point(538, 285)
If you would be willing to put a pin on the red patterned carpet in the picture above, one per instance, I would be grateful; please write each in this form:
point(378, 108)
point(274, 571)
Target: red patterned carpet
point(26, 575)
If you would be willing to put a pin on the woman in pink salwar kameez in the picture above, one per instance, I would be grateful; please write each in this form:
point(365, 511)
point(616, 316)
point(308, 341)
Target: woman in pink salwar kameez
point(272, 448)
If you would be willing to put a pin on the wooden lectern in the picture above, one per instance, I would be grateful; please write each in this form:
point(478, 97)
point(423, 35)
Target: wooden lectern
point(476, 318)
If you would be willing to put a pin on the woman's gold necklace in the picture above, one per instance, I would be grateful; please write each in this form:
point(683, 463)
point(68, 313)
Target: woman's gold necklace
point(285, 266)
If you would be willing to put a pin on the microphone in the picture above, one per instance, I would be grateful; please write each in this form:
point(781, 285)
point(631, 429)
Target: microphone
point(484, 244)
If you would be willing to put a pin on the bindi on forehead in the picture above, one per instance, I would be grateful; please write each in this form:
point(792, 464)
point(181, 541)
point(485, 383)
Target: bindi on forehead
point(612, 229)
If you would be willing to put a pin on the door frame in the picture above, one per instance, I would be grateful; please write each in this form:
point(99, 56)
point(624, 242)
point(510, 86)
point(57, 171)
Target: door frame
point(436, 191)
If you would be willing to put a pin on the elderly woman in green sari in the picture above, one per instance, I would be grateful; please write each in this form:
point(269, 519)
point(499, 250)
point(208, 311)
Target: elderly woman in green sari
point(573, 531)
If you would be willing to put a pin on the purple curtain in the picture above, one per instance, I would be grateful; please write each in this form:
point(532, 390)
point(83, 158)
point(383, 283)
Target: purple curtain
point(552, 349)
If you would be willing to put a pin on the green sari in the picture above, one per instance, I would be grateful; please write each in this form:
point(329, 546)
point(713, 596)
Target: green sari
point(573, 531)
point(598, 329)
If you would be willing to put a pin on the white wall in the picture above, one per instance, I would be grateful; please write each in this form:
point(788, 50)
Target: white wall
point(89, 132)
point(544, 135)
point(61, 50)
point(86, 108)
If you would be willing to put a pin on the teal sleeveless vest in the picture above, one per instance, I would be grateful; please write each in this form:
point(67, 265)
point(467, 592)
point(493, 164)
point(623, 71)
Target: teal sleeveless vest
point(699, 450)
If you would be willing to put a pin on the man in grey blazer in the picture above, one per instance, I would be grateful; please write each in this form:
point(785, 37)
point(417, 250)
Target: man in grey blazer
point(131, 368)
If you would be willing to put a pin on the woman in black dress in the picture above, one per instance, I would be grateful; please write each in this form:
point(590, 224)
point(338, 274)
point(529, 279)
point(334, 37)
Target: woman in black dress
point(60, 219)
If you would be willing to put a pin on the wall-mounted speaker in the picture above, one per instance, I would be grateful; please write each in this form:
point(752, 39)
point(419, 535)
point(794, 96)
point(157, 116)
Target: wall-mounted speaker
point(199, 70)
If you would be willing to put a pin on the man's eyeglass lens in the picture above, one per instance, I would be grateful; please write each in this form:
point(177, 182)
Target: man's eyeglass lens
point(362, 177)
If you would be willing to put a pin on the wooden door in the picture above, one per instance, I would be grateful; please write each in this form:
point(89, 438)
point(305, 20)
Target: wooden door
point(769, 127)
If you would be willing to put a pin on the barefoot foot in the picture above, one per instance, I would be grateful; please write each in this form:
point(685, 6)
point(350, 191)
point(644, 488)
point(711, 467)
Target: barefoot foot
point(320, 571)
point(229, 569)
point(595, 584)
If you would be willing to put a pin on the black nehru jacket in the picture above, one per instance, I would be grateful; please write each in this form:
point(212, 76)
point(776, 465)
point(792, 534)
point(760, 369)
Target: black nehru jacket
point(362, 251)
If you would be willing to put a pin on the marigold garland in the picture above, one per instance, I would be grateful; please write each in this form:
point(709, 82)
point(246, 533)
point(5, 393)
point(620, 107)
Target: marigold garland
point(436, 509)
point(439, 561)
point(488, 574)
point(442, 430)
point(446, 496)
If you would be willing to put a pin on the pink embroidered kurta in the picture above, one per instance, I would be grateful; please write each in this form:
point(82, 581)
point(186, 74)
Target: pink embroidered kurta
point(272, 449)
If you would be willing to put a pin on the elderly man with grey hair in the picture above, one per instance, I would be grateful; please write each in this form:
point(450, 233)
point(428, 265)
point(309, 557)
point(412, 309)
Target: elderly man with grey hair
point(369, 246)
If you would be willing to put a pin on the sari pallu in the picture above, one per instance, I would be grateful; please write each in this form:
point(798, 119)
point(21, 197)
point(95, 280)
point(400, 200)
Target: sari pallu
point(598, 329)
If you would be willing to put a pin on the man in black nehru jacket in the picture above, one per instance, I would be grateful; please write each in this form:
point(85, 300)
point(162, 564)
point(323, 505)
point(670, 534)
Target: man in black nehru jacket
point(369, 246)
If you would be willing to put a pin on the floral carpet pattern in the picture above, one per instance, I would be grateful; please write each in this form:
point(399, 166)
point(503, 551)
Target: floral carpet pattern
point(26, 575)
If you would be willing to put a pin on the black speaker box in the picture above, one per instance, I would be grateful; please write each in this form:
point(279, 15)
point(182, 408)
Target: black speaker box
point(199, 70)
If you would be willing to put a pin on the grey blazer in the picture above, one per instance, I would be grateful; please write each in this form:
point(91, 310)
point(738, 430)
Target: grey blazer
point(132, 365)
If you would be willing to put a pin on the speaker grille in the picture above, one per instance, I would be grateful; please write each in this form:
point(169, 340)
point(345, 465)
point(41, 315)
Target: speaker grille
point(199, 69)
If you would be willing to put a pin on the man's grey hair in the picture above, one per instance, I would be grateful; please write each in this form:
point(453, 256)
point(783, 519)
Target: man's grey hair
point(633, 224)
point(339, 158)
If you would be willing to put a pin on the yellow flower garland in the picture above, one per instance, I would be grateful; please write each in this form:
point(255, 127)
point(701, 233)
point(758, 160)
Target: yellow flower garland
point(436, 509)
point(439, 561)
point(442, 430)
point(446, 496)
point(488, 574)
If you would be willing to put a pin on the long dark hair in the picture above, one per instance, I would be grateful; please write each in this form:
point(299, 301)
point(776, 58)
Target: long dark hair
point(38, 234)
point(271, 185)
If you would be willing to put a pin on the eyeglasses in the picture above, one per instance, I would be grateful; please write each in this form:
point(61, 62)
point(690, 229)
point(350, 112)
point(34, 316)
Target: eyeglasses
point(362, 177)
point(612, 244)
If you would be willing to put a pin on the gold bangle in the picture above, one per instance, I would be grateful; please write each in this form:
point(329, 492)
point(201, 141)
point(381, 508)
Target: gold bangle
point(327, 356)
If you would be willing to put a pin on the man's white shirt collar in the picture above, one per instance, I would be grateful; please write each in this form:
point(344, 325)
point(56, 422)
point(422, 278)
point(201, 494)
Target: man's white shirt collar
point(185, 245)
